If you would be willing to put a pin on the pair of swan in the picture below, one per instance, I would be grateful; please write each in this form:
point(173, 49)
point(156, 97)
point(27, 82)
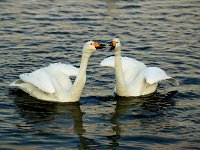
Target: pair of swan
point(52, 83)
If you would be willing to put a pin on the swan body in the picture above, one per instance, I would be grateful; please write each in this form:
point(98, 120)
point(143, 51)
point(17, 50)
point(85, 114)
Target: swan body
point(52, 83)
point(133, 78)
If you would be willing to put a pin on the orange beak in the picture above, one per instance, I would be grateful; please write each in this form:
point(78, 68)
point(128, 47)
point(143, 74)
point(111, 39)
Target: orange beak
point(98, 45)
point(113, 45)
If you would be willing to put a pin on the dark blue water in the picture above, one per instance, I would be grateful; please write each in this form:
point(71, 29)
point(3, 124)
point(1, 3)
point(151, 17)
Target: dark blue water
point(159, 33)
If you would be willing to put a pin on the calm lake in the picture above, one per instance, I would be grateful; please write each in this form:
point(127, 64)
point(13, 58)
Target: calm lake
point(164, 34)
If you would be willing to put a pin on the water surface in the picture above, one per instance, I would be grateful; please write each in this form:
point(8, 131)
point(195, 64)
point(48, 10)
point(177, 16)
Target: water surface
point(159, 33)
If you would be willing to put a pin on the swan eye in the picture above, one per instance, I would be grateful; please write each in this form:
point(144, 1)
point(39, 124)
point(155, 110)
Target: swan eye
point(91, 44)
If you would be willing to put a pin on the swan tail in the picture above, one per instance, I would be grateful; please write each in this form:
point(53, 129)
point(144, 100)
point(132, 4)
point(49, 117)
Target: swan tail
point(15, 83)
point(155, 74)
point(19, 84)
point(31, 90)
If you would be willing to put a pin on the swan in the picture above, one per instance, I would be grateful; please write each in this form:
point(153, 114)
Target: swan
point(133, 78)
point(52, 83)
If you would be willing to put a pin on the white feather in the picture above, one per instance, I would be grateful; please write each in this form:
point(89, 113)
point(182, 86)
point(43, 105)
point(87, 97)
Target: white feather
point(68, 69)
point(154, 75)
point(108, 62)
point(48, 83)
point(39, 78)
point(44, 78)
point(131, 67)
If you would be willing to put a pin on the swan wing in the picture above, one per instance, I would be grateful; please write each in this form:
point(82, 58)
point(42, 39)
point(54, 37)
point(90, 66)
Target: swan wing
point(44, 84)
point(108, 62)
point(39, 78)
point(48, 79)
point(131, 67)
point(155, 74)
point(126, 62)
point(60, 74)
point(68, 69)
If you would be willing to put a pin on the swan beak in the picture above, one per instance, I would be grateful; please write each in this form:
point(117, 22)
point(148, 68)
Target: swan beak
point(98, 45)
point(113, 44)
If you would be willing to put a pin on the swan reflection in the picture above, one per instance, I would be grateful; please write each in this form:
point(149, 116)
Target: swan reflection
point(49, 118)
point(145, 110)
point(105, 118)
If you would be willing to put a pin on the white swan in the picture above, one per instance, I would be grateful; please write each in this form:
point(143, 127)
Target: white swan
point(52, 83)
point(133, 78)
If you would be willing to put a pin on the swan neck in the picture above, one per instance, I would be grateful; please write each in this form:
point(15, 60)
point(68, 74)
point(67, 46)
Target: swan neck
point(118, 52)
point(120, 80)
point(81, 78)
point(84, 61)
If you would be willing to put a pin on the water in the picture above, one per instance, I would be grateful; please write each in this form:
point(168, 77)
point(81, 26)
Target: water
point(159, 33)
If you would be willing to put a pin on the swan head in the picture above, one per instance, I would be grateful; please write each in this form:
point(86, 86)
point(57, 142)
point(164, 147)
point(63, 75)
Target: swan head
point(91, 46)
point(116, 44)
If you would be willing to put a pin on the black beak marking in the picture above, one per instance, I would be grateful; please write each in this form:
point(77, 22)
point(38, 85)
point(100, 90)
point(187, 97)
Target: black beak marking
point(112, 46)
point(101, 46)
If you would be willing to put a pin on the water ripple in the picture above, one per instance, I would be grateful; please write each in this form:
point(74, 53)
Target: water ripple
point(159, 33)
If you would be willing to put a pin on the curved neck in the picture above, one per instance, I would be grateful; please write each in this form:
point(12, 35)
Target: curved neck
point(120, 81)
point(81, 78)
